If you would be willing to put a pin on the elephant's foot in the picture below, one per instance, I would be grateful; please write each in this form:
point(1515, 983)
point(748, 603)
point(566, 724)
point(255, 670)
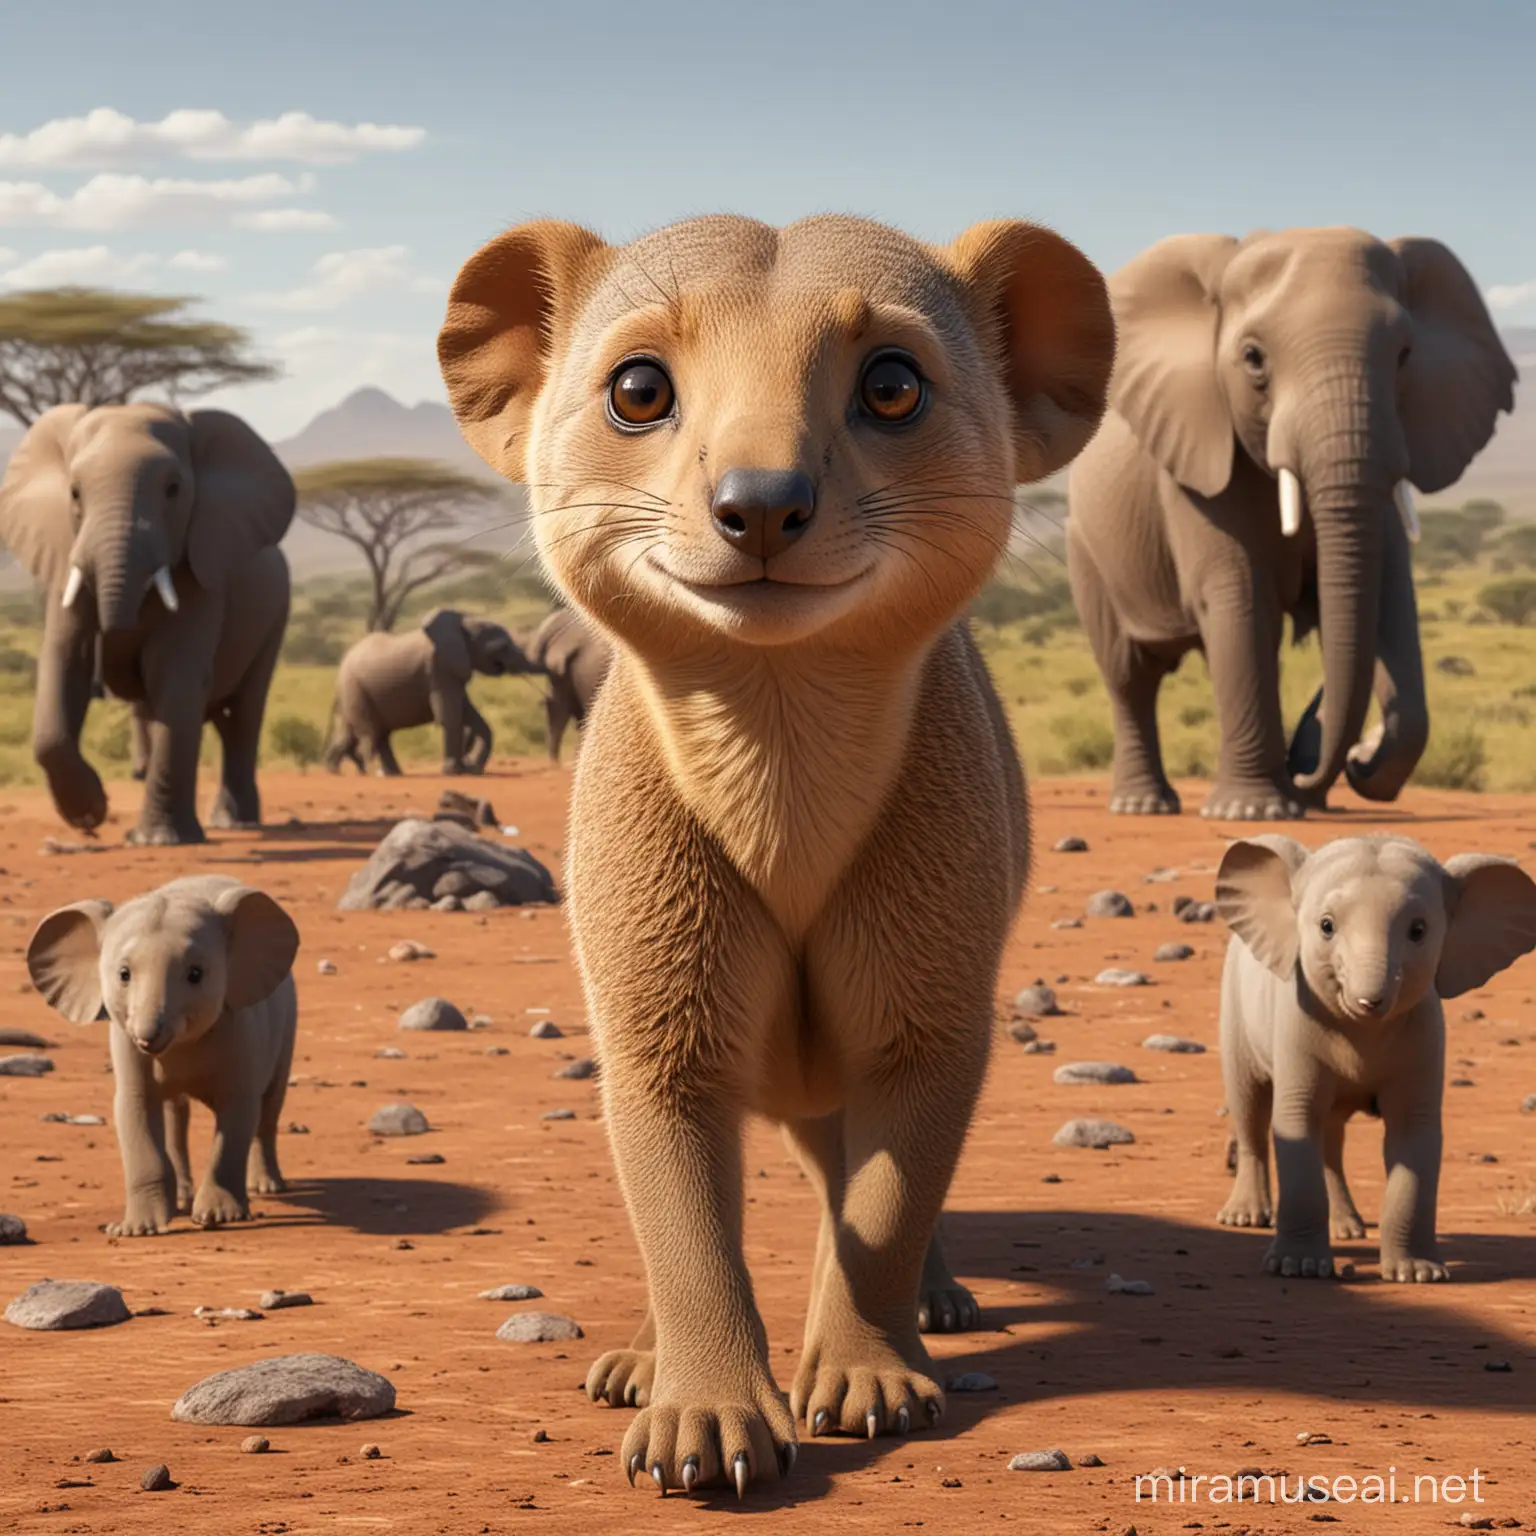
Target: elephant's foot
point(1346, 1226)
point(1300, 1258)
point(229, 814)
point(1145, 793)
point(1404, 1269)
point(1253, 800)
point(167, 834)
point(79, 797)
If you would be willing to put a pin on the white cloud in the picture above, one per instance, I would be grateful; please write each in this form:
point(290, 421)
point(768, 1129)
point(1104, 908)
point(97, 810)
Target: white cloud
point(286, 220)
point(111, 201)
point(198, 261)
point(1512, 295)
point(88, 266)
point(343, 276)
point(105, 138)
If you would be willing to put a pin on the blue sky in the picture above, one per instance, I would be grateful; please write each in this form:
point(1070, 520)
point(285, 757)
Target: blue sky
point(1116, 121)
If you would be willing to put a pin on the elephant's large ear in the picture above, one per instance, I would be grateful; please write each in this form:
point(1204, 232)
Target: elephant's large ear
point(64, 960)
point(1047, 309)
point(1492, 905)
point(1458, 377)
point(509, 312)
point(262, 944)
point(34, 498)
point(245, 498)
point(1165, 383)
point(445, 629)
point(1254, 898)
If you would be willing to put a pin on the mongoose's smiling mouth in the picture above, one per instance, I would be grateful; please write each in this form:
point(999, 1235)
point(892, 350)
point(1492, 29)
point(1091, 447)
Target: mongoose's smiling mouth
point(754, 584)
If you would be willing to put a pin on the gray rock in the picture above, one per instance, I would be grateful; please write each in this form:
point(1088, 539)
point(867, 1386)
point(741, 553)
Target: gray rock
point(398, 1120)
point(447, 904)
point(1023, 1031)
point(275, 1301)
point(558, 1114)
point(1173, 952)
point(157, 1479)
point(1070, 845)
point(1036, 1002)
point(1090, 1460)
point(512, 1293)
point(51, 1304)
point(496, 1050)
point(411, 862)
point(1109, 904)
point(538, 1328)
point(1066, 922)
point(24, 1039)
point(227, 1314)
point(1175, 1043)
point(971, 1381)
point(326, 967)
point(24, 1066)
point(1188, 910)
point(582, 1068)
point(1092, 1072)
point(433, 1013)
point(481, 1021)
point(390, 1053)
point(1039, 1047)
point(1114, 976)
point(547, 1029)
point(287, 1390)
point(408, 950)
point(1093, 1133)
point(1040, 1461)
point(426, 1159)
point(1528, 1104)
point(12, 1229)
point(1121, 1287)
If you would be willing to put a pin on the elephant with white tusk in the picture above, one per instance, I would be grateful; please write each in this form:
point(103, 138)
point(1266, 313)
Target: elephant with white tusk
point(154, 533)
point(1274, 402)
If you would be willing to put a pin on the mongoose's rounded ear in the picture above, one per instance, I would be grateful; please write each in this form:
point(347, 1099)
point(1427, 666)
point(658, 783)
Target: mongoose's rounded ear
point(1048, 309)
point(1253, 895)
point(508, 311)
point(64, 960)
point(262, 944)
point(1492, 907)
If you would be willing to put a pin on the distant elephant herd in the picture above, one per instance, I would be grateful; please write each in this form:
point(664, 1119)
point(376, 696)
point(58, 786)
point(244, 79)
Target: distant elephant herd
point(1264, 431)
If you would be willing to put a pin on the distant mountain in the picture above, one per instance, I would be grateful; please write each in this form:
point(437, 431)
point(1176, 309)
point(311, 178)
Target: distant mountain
point(370, 424)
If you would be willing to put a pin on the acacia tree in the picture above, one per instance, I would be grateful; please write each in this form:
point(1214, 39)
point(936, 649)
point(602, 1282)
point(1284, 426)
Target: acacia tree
point(390, 509)
point(99, 347)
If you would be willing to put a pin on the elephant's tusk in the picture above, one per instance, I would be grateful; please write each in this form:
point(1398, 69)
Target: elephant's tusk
point(1290, 504)
point(1402, 494)
point(165, 588)
point(72, 586)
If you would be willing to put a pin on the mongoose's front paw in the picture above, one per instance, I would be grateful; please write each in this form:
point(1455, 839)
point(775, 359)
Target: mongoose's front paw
point(864, 1389)
point(215, 1207)
point(731, 1438)
point(1409, 1271)
point(947, 1309)
point(622, 1378)
point(1299, 1259)
point(141, 1221)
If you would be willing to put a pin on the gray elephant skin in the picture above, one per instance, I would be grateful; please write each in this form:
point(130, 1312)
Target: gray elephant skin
point(196, 980)
point(575, 656)
point(154, 534)
point(390, 683)
point(1331, 1006)
point(1274, 404)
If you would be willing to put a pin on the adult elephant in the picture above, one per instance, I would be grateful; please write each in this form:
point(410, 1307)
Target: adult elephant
point(576, 658)
point(1273, 402)
point(391, 682)
point(154, 534)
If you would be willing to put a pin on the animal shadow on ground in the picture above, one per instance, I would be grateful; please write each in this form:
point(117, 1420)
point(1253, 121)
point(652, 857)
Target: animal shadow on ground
point(316, 841)
point(395, 1207)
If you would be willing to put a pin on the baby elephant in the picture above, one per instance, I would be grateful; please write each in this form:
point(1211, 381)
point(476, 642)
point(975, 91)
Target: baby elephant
point(196, 979)
point(1330, 1004)
point(392, 682)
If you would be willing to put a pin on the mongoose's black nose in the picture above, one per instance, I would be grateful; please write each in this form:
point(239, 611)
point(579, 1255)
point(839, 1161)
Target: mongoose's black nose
point(763, 511)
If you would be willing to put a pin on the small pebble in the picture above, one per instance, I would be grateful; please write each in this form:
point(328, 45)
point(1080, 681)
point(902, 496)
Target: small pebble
point(433, 1013)
point(1092, 1072)
point(157, 1479)
point(12, 1229)
point(1022, 1031)
point(275, 1301)
point(1128, 1287)
point(1040, 1461)
point(496, 1050)
point(1173, 952)
point(390, 1053)
point(540, 1437)
point(1498, 1366)
point(98, 1457)
point(255, 1445)
point(426, 1159)
point(1175, 1043)
point(1036, 1002)
point(538, 1328)
point(1528, 1104)
point(1090, 1460)
point(325, 968)
point(971, 1381)
point(370, 1452)
point(398, 1120)
point(1039, 1047)
point(547, 1029)
point(1113, 976)
point(1097, 1134)
point(407, 950)
point(512, 1293)
point(1050, 1178)
point(582, 1068)
point(481, 1021)
point(1070, 845)
point(227, 1314)
point(1194, 911)
point(1109, 904)
point(558, 1114)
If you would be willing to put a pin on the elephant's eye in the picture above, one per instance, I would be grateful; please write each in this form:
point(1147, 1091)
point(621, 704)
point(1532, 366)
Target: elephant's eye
point(172, 488)
point(1253, 358)
point(124, 974)
point(194, 974)
point(1403, 356)
point(641, 394)
point(1327, 927)
point(74, 494)
point(1416, 930)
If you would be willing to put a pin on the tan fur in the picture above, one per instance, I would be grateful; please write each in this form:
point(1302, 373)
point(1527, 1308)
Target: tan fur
point(799, 832)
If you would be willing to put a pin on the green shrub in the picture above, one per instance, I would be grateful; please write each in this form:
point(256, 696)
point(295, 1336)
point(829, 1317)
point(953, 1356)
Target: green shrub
point(307, 645)
point(1194, 714)
point(1086, 743)
point(297, 739)
point(14, 663)
point(1455, 760)
point(1511, 601)
point(1516, 548)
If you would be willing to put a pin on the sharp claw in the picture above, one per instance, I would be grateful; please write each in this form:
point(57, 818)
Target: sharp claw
point(933, 1412)
point(635, 1463)
point(871, 1425)
point(742, 1469)
point(660, 1477)
point(903, 1420)
point(819, 1423)
point(690, 1473)
point(924, 1321)
point(791, 1451)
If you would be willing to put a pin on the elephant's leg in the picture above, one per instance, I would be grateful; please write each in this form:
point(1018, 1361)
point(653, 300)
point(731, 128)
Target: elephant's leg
point(1240, 627)
point(477, 739)
point(178, 1116)
point(1132, 675)
point(557, 711)
point(383, 754)
point(448, 710)
point(138, 724)
point(239, 801)
point(66, 670)
point(169, 814)
point(1344, 1221)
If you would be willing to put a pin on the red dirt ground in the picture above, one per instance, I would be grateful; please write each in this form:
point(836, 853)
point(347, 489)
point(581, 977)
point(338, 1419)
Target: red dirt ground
point(1222, 1368)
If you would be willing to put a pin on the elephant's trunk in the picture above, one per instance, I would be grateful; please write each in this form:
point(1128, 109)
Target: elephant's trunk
point(122, 559)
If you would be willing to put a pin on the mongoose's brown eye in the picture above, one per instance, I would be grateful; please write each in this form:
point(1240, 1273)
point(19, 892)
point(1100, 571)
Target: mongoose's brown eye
point(641, 394)
point(891, 389)
point(194, 974)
